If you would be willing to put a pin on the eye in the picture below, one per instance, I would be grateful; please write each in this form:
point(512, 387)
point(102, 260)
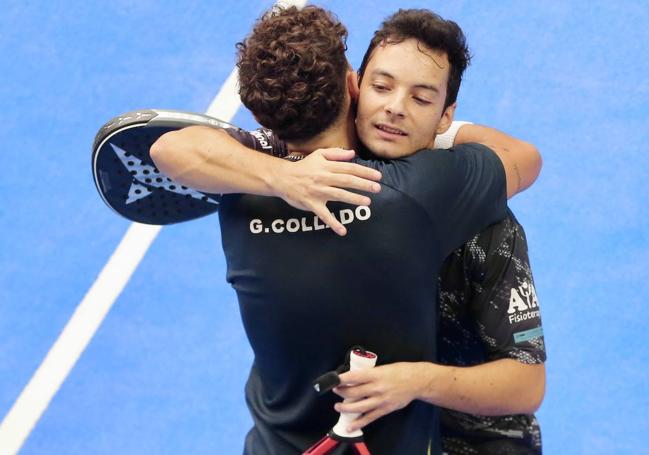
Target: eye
point(380, 87)
point(422, 101)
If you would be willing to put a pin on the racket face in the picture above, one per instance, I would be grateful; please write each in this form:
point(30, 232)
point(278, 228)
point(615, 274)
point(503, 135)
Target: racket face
point(128, 180)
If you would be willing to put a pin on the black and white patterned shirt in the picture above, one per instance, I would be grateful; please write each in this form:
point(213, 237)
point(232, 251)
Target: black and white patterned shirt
point(490, 311)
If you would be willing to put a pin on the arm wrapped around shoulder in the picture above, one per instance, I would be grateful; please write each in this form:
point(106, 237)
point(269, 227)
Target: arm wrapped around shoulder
point(462, 190)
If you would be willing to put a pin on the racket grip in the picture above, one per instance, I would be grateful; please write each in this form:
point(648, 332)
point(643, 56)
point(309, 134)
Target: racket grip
point(358, 360)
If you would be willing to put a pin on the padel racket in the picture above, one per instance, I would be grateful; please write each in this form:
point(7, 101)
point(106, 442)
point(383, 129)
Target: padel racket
point(128, 180)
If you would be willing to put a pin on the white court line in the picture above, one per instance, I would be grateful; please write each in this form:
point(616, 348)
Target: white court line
point(74, 339)
point(88, 316)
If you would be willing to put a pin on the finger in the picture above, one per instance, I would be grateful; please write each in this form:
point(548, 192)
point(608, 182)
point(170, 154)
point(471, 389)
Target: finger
point(355, 169)
point(345, 392)
point(355, 393)
point(329, 219)
point(358, 407)
point(338, 154)
point(351, 378)
point(352, 182)
point(366, 419)
point(338, 195)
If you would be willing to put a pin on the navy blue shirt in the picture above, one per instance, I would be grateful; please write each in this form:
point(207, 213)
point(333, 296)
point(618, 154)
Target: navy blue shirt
point(307, 295)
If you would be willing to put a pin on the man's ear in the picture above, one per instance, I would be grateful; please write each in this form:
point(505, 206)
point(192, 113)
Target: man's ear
point(352, 85)
point(447, 119)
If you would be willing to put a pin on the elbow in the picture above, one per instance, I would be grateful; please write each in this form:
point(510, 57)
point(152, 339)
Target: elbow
point(534, 402)
point(157, 150)
point(533, 162)
point(537, 392)
point(536, 159)
point(528, 392)
point(162, 155)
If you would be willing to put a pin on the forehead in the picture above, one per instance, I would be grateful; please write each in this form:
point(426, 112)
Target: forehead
point(410, 61)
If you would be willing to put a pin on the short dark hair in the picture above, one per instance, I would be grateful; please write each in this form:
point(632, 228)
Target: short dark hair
point(435, 33)
point(292, 71)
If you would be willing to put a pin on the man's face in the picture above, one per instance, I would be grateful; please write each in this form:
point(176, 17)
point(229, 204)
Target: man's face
point(401, 101)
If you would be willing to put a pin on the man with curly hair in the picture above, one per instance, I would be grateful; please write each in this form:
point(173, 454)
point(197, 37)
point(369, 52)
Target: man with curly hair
point(307, 295)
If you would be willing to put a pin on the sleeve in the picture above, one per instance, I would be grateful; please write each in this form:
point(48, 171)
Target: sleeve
point(504, 303)
point(261, 139)
point(462, 189)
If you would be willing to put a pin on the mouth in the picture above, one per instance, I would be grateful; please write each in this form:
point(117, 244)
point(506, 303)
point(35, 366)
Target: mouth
point(389, 130)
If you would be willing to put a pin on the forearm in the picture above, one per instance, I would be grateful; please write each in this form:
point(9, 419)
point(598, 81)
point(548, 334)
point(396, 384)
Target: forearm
point(210, 160)
point(521, 160)
point(500, 387)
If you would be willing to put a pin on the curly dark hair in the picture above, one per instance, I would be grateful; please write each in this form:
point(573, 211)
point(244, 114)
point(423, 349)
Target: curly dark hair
point(292, 71)
point(435, 33)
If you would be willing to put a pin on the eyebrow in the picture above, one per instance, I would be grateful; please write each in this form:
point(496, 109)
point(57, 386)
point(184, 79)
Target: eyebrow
point(390, 76)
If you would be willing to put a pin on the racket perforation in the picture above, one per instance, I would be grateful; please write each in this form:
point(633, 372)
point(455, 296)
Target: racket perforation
point(135, 188)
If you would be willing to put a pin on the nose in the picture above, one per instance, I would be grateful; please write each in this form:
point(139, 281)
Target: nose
point(395, 106)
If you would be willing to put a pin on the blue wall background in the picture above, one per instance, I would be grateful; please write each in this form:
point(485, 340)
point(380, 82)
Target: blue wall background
point(165, 372)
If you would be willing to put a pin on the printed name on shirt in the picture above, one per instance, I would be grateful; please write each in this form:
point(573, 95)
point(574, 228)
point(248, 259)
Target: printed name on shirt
point(522, 303)
point(305, 224)
point(263, 139)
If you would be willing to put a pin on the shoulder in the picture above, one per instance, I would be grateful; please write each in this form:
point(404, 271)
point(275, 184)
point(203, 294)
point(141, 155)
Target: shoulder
point(432, 157)
point(502, 234)
point(459, 154)
point(261, 139)
point(429, 169)
point(492, 248)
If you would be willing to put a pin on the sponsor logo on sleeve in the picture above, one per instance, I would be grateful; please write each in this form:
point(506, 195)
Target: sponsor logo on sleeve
point(263, 139)
point(527, 335)
point(523, 304)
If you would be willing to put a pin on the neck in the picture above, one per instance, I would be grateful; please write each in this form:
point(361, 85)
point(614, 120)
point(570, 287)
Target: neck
point(342, 134)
